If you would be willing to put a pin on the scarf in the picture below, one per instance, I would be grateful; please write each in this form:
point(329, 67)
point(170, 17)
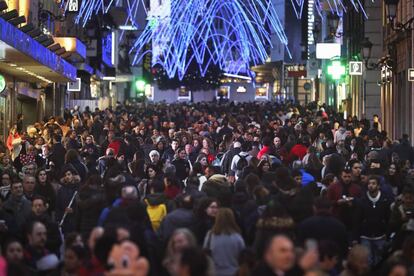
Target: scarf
point(374, 200)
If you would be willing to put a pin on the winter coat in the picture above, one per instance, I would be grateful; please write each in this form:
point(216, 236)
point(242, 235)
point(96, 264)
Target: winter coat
point(20, 209)
point(323, 226)
point(182, 167)
point(225, 251)
point(179, 218)
point(371, 220)
point(89, 206)
point(63, 198)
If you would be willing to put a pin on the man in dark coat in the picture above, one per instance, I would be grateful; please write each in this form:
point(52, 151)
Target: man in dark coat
point(182, 217)
point(323, 226)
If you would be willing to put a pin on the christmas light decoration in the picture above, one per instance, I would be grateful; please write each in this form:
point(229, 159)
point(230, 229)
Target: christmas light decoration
point(226, 32)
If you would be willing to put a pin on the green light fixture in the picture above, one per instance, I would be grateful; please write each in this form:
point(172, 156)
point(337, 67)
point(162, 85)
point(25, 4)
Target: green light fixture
point(336, 70)
point(140, 85)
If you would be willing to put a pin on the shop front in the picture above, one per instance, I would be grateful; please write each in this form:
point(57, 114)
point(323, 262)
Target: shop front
point(32, 73)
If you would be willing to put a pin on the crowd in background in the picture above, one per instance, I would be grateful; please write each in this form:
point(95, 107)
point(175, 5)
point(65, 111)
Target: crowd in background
point(206, 189)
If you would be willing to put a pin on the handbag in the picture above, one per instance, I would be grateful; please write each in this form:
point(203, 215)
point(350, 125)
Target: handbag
point(207, 250)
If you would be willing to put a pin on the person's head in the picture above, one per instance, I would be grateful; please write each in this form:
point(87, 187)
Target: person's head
point(225, 223)
point(208, 207)
point(202, 158)
point(151, 172)
point(37, 235)
point(68, 174)
point(73, 259)
point(181, 154)
point(297, 176)
point(110, 153)
point(356, 168)
point(328, 255)
point(29, 183)
point(357, 261)
point(193, 261)
point(280, 254)
point(41, 176)
point(129, 193)
point(16, 189)
point(321, 204)
point(154, 156)
point(264, 166)
point(181, 238)
point(174, 144)
point(71, 156)
point(392, 169)
point(6, 179)
point(73, 239)
point(30, 169)
point(408, 198)
point(13, 251)
point(346, 176)
point(39, 205)
point(373, 185)
point(89, 140)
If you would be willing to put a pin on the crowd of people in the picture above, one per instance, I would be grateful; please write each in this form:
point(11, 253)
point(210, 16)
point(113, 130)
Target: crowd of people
point(206, 189)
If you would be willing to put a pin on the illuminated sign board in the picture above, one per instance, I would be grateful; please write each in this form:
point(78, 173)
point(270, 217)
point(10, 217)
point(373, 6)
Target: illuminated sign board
point(2, 83)
point(328, 50)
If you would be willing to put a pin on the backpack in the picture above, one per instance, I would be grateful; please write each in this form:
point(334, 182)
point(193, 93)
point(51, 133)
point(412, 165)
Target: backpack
point(156, 214)
point(242, 163)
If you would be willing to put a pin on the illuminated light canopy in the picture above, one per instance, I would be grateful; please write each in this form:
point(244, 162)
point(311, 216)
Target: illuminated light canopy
point(211, 32)
point(336, 70)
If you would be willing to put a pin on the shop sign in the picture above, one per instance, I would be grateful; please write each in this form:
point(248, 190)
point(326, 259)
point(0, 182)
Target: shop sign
point(73, 6)
point(295, 71)
point(355, 68)
point(74, 86)
point(410, 74)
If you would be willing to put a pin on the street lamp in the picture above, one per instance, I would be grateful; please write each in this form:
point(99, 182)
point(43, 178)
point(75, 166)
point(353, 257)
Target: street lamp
point(391, 9)
point(333, 23)
point(366, 49)
point(391, 12)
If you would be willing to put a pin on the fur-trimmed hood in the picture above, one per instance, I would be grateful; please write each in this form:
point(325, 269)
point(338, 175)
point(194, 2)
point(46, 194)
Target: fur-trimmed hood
point(275, 223)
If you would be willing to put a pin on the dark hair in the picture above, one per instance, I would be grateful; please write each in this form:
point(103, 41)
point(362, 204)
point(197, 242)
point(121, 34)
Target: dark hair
point(296, 172)
point(322, 203)
point(71, 155)
point(39, 197)
point(195, 260)
point(376, 178)
point(79, 251)
point(327, 249)
point(70, 239)
point(203, 205)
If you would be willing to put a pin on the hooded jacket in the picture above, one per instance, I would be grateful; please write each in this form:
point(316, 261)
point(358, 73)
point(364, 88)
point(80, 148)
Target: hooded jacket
point(156, 209)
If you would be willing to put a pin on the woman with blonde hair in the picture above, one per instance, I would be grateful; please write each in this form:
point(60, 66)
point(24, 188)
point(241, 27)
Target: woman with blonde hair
point(181, 239)
point(225, 243)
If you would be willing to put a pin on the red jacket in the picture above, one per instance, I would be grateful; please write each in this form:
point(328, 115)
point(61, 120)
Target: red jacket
point(299, 151)
point(263, 151)
point(335, 193)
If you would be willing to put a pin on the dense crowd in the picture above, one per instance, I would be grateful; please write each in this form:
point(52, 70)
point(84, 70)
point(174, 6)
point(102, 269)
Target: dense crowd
point(206, 189)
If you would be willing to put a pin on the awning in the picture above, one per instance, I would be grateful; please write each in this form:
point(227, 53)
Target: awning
point(25, 58)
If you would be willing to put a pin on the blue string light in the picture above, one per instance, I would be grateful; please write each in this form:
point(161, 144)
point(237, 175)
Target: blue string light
point(227, 32)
